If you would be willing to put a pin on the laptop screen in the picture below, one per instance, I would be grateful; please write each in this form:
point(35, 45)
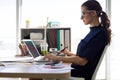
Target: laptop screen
point(31, 48)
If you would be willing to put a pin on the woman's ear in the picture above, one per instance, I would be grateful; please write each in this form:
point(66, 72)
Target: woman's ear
point(94, 13)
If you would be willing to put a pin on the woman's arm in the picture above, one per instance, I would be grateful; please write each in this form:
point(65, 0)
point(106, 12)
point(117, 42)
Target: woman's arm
point(69, 59)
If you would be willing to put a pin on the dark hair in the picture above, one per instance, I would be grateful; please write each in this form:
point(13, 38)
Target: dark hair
point(95, 5)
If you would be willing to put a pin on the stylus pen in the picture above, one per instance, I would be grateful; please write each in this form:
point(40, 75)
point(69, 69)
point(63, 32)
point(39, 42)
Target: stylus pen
point(63, 49)
point(60, 51)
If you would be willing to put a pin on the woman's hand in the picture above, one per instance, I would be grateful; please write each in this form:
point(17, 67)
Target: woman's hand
point(65, 51)
point(50, 56)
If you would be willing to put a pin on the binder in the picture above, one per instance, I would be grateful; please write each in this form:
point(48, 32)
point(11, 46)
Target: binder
point(58, 38)
point(61, 39)
point(51, 38)
point(67, 39)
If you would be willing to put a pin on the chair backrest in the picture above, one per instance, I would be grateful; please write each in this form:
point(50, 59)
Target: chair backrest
point(98, 65)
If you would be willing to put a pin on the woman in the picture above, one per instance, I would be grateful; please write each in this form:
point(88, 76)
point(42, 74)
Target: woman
point(90, 48)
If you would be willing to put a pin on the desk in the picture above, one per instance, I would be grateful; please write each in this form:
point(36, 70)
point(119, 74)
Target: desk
point(31, 70)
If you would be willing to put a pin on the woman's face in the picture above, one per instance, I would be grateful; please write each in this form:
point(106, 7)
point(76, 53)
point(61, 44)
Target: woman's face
point(86, 15)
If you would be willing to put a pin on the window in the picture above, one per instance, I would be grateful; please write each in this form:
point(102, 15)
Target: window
point(8, 28)
point(115, 50)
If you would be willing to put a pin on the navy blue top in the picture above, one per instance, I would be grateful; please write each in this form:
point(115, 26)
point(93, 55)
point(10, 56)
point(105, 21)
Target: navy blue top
point(91, 48)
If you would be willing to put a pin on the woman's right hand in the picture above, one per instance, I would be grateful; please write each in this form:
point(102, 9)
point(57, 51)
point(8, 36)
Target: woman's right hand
point(65, 51)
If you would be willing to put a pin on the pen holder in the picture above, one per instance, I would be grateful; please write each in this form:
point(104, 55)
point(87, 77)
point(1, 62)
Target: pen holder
point(53, 50)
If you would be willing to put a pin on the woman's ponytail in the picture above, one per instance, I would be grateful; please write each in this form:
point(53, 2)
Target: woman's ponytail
point(106, 23)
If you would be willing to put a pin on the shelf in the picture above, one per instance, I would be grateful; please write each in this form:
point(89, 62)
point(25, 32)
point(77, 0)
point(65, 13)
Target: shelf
point(56, 37)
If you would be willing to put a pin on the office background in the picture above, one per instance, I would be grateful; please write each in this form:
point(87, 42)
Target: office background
point(14, 14)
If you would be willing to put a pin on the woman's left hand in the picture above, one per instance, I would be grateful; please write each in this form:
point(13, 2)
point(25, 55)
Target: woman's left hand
point(50, 56)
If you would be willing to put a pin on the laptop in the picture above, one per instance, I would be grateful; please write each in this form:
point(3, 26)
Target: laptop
point(33, 51)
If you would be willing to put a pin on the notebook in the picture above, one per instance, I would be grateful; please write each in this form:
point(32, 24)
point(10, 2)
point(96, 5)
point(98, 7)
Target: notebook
point(33, 51)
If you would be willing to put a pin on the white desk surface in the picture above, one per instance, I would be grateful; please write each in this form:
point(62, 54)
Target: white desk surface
point(32, 70)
